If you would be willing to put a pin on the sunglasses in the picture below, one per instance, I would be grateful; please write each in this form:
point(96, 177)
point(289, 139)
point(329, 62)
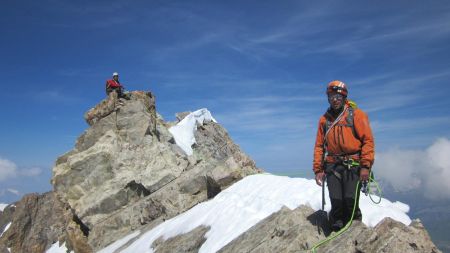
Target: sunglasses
point(336, 96)
point(336, 88)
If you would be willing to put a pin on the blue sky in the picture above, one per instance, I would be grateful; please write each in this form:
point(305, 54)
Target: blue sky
point(260, 67)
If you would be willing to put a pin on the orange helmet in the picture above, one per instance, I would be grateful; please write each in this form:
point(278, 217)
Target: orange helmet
point(337, 87)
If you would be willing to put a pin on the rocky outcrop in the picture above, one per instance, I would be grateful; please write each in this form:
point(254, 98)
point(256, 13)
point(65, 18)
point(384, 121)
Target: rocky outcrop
point(126, 171)
point(6, 217)
point(186, 243)
point(284, 231)
point(103, 109)
point(295, 231)
point(38, 222)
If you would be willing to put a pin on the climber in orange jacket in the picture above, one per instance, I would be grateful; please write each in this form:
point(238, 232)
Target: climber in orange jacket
point(343, 153)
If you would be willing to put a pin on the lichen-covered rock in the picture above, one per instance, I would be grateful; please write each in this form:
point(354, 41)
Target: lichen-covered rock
point(296, 231)
point(6, 217)
point(38, 222)
point(185, 243)
point(105, 107)
point(76, 237)
point(284, 231)
point(126, 170)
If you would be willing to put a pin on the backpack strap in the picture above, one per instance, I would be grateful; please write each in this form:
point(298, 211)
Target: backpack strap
point(327, 125)
point(350, 121)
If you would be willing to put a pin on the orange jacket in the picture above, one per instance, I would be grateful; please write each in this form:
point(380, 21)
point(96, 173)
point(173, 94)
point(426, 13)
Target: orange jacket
point(341, 140)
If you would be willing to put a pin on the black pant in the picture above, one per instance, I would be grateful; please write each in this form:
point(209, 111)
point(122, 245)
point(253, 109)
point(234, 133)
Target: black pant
point(342, 183)
point(118, 90)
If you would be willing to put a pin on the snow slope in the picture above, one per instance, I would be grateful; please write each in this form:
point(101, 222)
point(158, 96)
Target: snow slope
point(247, 202)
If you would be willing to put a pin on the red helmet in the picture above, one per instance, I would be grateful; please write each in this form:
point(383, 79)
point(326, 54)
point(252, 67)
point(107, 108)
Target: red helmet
point(337, 87)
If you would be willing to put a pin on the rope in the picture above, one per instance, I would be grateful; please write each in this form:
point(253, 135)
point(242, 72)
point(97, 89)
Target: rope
point(371, 179)
point(333, 124)
point(347, 226)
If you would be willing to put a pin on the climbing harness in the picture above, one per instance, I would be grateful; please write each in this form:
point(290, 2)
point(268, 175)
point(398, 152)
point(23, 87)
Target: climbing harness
point(350, 163)
point(347, 226)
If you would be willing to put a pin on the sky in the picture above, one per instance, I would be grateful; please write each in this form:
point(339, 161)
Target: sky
point(243, 205)
point(260, 67)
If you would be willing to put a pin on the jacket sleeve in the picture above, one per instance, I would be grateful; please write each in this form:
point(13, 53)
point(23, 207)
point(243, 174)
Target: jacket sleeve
point(364, 133)
point(318, 147)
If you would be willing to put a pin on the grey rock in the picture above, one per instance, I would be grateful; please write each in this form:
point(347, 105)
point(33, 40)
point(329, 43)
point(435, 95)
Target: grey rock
point(284, 231)
point(6, 216)
point(37, 223)
point(185, 243)
point(126, 172)
point(181, 115)
point(296, 231)
point(3, 249)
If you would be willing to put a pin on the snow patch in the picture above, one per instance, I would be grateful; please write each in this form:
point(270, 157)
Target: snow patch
point(3, 206)
point(55, 248)
point(183, 132)
point(247, 202)
point(6, 228)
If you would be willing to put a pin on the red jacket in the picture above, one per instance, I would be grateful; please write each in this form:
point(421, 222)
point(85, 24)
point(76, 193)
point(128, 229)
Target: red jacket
point(342, 141)
point(112, 84)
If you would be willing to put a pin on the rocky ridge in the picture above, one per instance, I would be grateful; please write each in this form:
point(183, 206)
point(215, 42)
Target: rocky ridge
point(126, 173)
point(296, 231)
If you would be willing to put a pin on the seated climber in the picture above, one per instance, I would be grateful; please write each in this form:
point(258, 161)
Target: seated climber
point(114, 85)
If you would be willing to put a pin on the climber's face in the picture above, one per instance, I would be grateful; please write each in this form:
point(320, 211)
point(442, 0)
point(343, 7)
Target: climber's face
point(336, 101)
point(116, 78)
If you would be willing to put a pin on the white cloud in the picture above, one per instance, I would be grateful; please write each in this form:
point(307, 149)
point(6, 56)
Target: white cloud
point(437, 184)
point(427, 170)
point(8, 169)
point(31, 172)
point(13, 191)
point(9, 191)
point(399, 168)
